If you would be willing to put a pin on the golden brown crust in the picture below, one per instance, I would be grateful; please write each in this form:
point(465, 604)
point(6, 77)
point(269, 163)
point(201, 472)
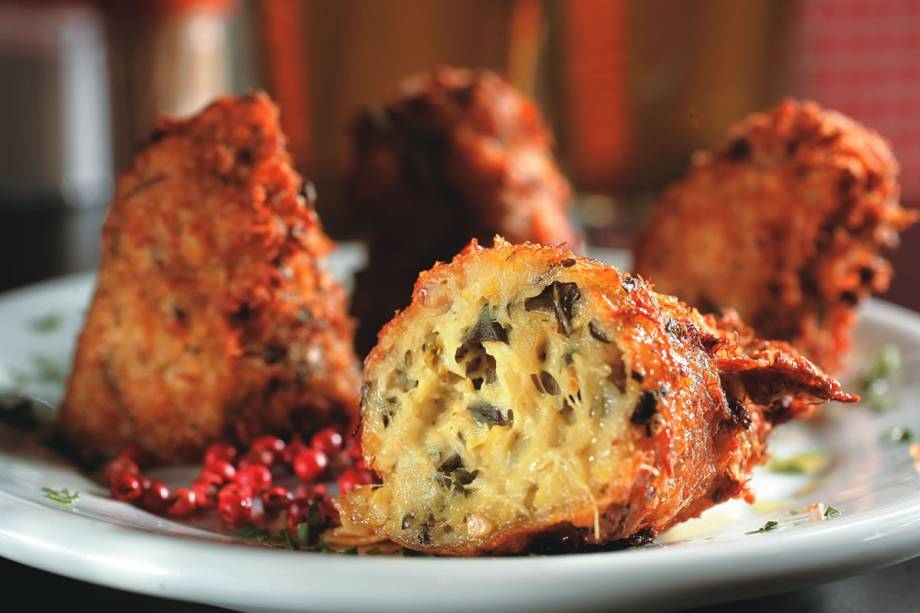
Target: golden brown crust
point(213, 313)
point(784, 222)
point(460, 154)
point(709, 394)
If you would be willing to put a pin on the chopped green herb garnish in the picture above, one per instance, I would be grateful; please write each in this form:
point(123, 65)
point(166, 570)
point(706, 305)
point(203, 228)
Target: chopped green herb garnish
point(264, 537)
point(45, 369)
point(877, 379)
point(20, 377)
point(304, 537)
point(831, 512)
point(46, 323)
point(885, 364)
point(805, 463)
point(48, 370)
point(899, 434)
point(767, 527)
point(251, 532)
point(875, 395)
point(303, 533)
point(290, 541)
point(324, 547)
point(63, 497)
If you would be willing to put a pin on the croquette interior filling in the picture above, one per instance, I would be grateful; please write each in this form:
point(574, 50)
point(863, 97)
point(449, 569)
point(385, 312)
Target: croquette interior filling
point(500, 410)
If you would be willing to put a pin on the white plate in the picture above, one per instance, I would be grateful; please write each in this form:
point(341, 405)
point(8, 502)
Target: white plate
point(874, 484)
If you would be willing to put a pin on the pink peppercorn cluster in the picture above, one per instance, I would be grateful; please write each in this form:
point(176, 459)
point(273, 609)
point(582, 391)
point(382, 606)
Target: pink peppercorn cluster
point(243, 486)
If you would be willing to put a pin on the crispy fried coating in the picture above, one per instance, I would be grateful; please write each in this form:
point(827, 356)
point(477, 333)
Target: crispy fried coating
point(460, 154)
point(213, 314)
point(527, 393)
point(784, 222)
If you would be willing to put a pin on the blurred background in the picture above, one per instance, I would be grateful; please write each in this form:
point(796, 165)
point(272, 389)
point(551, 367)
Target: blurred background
point(630, 89)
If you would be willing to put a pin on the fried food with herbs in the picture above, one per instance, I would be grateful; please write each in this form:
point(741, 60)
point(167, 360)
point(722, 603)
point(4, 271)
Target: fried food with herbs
point(528, 395)
point(784, 222)
point(459, 155)
point(213, 314)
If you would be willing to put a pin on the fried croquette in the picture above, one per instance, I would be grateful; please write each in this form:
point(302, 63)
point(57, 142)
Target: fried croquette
point(530, 394)
point(784, 222)
point(213, 315)
point(459, 155)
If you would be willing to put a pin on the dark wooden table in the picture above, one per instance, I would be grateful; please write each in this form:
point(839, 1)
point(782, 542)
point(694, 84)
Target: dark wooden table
point(38, 243)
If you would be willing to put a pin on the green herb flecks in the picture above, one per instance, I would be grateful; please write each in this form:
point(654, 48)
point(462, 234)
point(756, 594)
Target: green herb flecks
point(308, 531)
point(63, 497)
point(251, 532)
point(45, 370)
point(816, 512)
point(351, 551)
point(876, 382)
point(48, 370)
point(21, 378)
point(768, 526)
point(282, 540)
point(46, 323)
point(290, 540)
point(804, 463)
point(303, 533)
point(885, 364)
point(899, 434)
point(304, 537)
